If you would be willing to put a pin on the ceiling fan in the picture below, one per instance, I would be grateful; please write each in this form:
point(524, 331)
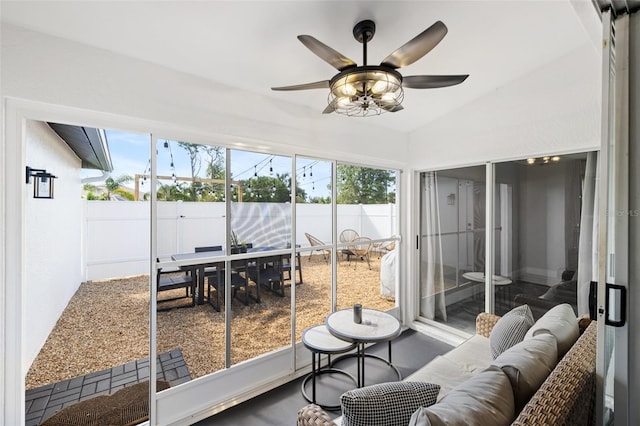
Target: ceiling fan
point(373, 89)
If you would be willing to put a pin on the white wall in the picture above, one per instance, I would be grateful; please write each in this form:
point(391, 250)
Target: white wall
point(57, 77)
point(555, 109)
point(541, 255)
point(53, 253)
point(116, 237)
point(59, 72)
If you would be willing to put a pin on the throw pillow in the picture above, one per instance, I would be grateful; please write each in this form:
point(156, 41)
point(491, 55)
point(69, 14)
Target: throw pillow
point(561, 322)
point(510, 329)
point(527, 366)
point(388, 404)
point(484, 399)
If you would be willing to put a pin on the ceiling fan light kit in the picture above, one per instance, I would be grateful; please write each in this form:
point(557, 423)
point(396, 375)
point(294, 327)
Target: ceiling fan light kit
point(362, 91)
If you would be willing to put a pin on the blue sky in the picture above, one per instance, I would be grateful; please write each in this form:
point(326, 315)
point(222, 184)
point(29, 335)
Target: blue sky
point(130, 156)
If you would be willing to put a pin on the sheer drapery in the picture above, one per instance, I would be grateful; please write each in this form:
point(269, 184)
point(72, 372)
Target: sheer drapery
point(588, 246)
point(432, 302)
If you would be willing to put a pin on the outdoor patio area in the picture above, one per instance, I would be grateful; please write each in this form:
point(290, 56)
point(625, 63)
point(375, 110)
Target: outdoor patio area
point(106, 323)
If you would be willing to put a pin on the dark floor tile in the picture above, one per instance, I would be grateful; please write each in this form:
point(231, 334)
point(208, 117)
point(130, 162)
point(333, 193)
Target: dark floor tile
point(41, 403)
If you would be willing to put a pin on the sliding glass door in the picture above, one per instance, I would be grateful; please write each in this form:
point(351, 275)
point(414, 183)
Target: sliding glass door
point(540, 212)
point(452, 245)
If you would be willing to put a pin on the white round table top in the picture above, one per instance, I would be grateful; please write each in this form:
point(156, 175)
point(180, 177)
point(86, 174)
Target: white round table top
point(479, 277)
point(319, 339)
point(376, 326)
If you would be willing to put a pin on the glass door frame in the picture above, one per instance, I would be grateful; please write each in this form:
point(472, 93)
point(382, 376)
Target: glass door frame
point(613, 244)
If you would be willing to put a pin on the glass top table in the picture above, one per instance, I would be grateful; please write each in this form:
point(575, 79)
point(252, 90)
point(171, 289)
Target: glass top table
point(376, 326)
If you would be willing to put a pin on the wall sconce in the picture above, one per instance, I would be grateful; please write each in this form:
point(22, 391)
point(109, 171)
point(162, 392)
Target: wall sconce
point(42, 184)
point(451, 199)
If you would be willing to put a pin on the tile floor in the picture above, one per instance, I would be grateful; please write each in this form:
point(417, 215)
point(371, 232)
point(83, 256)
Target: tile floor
point(43, 402)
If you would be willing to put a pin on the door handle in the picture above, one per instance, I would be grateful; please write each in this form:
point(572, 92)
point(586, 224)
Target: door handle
point(615, 305)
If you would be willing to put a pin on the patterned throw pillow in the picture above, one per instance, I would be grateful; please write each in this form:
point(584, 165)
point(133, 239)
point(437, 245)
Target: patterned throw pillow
point(388, 404)
point(510, 329)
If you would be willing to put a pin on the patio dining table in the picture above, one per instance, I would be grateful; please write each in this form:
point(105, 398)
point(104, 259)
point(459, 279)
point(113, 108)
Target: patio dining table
point(197, 268)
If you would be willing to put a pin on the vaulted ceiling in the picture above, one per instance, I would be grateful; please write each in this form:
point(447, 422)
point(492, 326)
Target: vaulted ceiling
point(252, 44)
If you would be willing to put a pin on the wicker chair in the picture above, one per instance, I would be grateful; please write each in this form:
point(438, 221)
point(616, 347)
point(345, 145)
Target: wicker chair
point(361, 249)
point(316, 242)
point(347, 236)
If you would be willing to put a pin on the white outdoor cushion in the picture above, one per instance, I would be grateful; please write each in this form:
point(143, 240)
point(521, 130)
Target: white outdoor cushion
point(485, 399)
point(561, 322)
point(442, 371)
point(472, 355)
point(527, 366)
point(510, 329)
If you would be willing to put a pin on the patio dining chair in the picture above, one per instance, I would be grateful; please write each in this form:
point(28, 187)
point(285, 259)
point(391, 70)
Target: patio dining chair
point(268, 272)
point(174, 279)
point(316, 242)
point(209, 271)
point(239, 281)
point(361, 249)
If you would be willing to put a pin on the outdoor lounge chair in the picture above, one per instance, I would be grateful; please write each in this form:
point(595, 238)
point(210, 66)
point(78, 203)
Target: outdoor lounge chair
point(316, 242)
point(172, 279)
point(347, 236)
point(361, 249)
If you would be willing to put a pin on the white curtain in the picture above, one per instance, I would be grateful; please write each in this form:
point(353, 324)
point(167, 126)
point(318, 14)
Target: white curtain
point(588, 245)
point(432, 303)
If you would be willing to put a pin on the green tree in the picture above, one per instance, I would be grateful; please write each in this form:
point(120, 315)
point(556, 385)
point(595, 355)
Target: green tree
point(320, 200)
point(113, 185)
point(364, 185)
point(215, 169)
point(265, 189)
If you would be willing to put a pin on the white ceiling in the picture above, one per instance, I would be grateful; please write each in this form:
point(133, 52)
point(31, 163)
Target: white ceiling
point(253, 45)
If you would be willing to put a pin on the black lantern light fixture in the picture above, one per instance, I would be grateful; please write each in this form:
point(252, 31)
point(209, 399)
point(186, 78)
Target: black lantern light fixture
point(367, 90)
point(42, 184)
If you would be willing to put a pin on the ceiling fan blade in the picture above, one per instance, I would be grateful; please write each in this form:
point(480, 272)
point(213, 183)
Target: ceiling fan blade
point(417, 47)
point(329, 109)
point(327, 54)
point(432, 81)
point(324, 84)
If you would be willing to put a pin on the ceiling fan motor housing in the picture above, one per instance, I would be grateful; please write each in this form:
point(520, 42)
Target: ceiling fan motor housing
point(363, 31)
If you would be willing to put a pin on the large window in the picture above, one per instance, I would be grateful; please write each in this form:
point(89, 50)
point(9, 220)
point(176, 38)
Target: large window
point(535, 235)
point(366, 225)
point(247, 250)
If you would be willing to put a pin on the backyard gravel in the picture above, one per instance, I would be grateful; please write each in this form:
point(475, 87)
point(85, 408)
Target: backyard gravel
point(106, 323)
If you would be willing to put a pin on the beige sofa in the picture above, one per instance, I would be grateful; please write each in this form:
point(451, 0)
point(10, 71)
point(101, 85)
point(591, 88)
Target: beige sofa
point(566, 397)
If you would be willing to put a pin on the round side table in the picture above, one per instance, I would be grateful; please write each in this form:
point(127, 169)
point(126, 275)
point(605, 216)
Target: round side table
point(319, 341)
point(376, 327)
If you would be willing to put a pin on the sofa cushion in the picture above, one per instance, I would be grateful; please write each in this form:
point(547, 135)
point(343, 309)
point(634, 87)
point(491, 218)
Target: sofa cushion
point(527, 366)
point(484, 399)
point(386, 404)
point(561, 322)
point(510, 329)
point(444, 372)
point(472, 355)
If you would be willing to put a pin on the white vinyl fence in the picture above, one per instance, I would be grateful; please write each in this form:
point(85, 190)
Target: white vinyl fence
point(116, 233)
